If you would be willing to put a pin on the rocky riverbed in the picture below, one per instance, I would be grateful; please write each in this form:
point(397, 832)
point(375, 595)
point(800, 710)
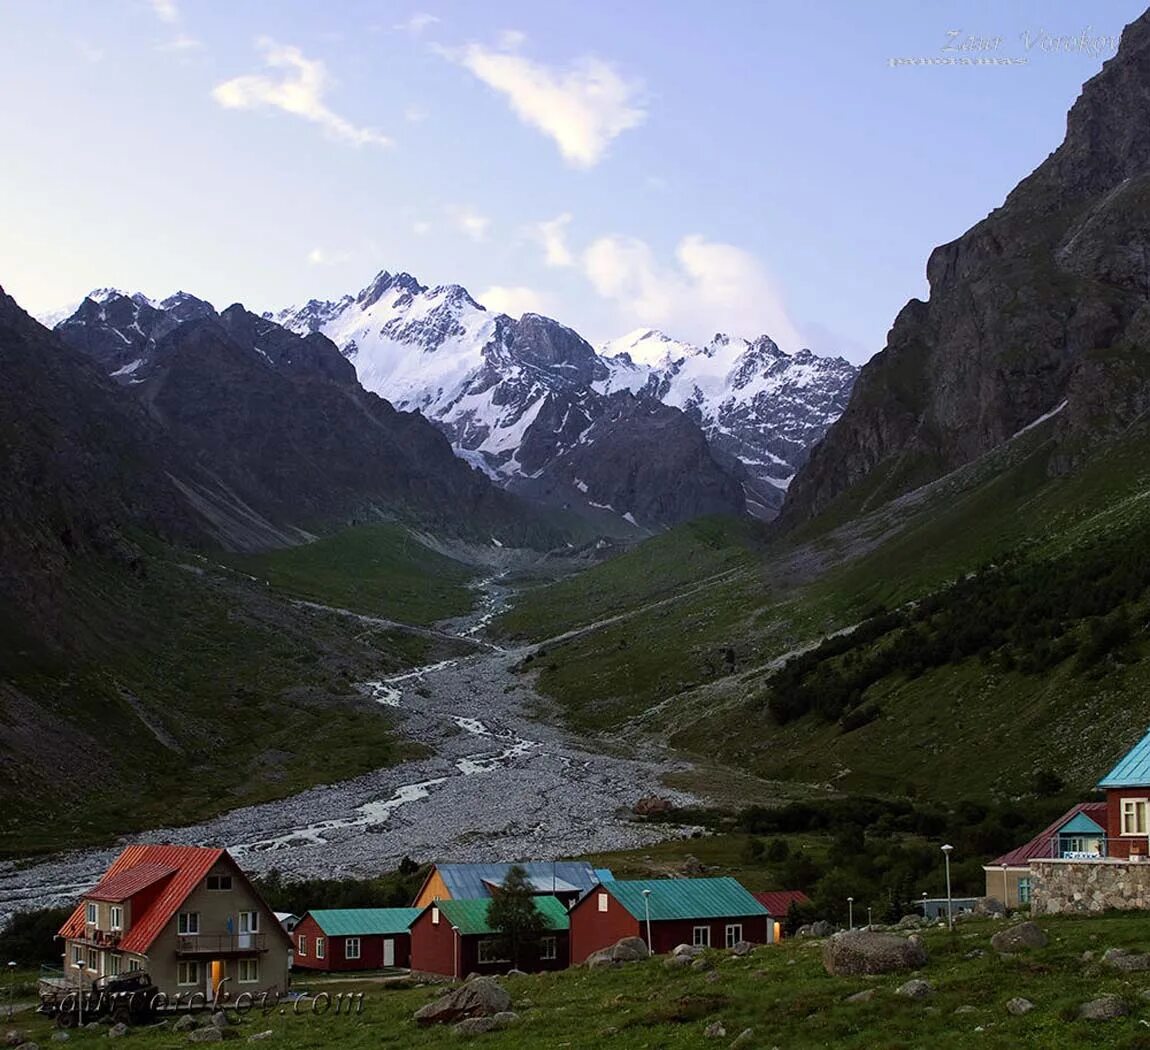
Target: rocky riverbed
point(499, 785)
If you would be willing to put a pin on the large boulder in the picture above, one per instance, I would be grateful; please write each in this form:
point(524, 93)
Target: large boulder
point(479, 997)
point(1126, 961)
point(1018, 938)
point(1105, 1008)
point(863, 952)
point(629, 949)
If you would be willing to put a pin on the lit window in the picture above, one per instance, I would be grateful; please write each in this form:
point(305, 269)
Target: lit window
point(548, 949)
point(1134, 816)
point(319, 947)
point(116, 917)
point(734, 934)
point(219, 882)
point(489, 952)
point(301, 942)
point(701, 936)
point(92, 914)
point(188, 924)
point(249, 971)
point(602, 902)
point(188, 974)
point(351, 948)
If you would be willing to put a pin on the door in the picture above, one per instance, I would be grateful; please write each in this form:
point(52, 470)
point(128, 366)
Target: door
point(249, 926)
point(388, 952)
point(215, 975)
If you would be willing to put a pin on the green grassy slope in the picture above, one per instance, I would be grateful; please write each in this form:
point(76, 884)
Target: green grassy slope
point(694, 670)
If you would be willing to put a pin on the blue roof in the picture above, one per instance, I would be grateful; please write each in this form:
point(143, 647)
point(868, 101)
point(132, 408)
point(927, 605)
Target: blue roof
point(1133, 769)
point(473, 881)
point(1080, 824)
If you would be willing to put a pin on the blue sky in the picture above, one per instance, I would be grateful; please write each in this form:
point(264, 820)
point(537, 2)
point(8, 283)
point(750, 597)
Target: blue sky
point(735, 166)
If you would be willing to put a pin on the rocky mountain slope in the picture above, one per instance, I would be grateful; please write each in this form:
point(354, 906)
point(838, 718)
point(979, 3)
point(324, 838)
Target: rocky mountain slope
point(1041, 308)
point(514, 394)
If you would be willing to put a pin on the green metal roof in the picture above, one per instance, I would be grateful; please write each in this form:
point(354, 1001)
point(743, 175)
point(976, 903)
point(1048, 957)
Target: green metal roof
point(685, 898)
point(471, 916)
point(363, 922)
point(1133, 769)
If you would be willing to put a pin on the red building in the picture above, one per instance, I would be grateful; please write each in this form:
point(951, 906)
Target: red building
point(778, 903)
point(1127, 788)
point(353, 939)
point(452, 938)
point(715, 913)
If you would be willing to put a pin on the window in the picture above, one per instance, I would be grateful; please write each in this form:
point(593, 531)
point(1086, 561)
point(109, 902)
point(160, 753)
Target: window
point(351, 948)
point(93, 960)
point(135, 966)
point(319, 947)
point(701, 937)
point(489, 952)
point(548, 949)
point(1024, 890)
point(301, 945)
point(188, 924)
point(188, 974)
point(115, 963)
point(92, 914)
point(219, 882)
point(77, 954)
point(1134, 816)
point(116, 917)
point(602, 902)
point(434, 916)
point(734, 934)
point(249, 922)
point(249, 971)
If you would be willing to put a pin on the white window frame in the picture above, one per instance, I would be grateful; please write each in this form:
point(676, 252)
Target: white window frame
point(253, 921)
point(348, 944)
point(116, 917)
point(603, 899)
point(188, 973)
point(301, 945)
point(733, 934)
point(134, 966)
point(115, 964)
point(94, 962)
point(488, 952)
point(188, 924)
point(1132, 809)
point(254, 970)
point(434, 915)
point(91, 913)
point(701, 936)
point(77, 954)
point(548, 949)
point(219, 883)
point(319, 947)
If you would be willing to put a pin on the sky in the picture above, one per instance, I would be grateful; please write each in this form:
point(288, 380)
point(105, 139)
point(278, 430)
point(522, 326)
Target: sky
point(734, 166)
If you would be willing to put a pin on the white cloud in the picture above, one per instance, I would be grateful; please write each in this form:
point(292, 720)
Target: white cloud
point(166, 10)
point(582, 108)
point(511, 39)
point(299, 91)
point(183, 42)
point(323, 257)
point(417, 23)
point(552, 234)
point(515, 300)
point(469, 221)
point(710, 287)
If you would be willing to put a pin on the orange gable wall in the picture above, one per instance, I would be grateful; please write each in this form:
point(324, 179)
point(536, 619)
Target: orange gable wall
point(433, 889)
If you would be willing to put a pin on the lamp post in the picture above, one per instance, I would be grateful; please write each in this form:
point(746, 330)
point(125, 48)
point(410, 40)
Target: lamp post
point(647, 915)
point(11, 990)
point(80, 992)
point(868, 918)
point(851, 912)
point(924, 904)
point(946, 851)
point(1005, 891)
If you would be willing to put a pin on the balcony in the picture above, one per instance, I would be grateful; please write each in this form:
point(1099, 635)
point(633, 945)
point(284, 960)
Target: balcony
point(94, 938)
point(1075, 847)
point(217, 944)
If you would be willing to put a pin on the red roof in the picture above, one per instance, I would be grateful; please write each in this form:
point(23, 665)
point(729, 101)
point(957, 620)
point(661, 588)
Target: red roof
point(778, 902)
point(1041, 846)
point(128, 883)
point(186, 865)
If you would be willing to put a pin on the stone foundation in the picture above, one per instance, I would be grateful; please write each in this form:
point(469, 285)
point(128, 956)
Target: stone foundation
point(1060, 887)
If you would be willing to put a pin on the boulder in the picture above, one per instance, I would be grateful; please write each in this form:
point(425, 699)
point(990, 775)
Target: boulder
point(693, 866)
point(1019, 1006)
point(185, 1023)
point(652, 805)
point(505, 1019)
point(118, 1031)
point(715, 1030)
point(479, 997)
point(206, 1035)
point(1125, 961)
point(742, 948)
point(854, 954)
point(689, 950)
point(744, 1038)
point(475, 1026)
point(702, 963)
point(985, 906)
point(822, 928)
point(629, 949)
point(677, 962)
point(915, 989)
point(1104, 1008)
point(1018, 938)
point(865, 996)
point(220, 1019)
point(966, 1008)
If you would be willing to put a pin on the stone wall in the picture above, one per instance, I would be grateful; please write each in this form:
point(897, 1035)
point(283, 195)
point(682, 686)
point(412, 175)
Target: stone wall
point(1060, 887)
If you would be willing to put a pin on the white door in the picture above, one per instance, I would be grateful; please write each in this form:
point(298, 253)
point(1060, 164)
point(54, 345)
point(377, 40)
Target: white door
point(388, 952)
point(249, 924)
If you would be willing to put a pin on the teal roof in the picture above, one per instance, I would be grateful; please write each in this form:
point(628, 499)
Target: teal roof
point(685, 898)
point(363, 922)
point(471, 916)
point(1080, 824)
point(1133, 769)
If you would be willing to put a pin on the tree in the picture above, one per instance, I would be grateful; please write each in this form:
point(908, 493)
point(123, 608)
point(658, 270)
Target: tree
point(29, 939)
point(513, 915)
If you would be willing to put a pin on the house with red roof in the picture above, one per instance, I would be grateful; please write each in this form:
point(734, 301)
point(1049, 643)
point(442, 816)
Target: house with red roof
point(778, 904)
point(185, 915)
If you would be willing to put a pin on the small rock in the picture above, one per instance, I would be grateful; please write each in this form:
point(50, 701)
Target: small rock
point(1019, 938)
point(966, 1008)
point(744, 1038)
point(505, 1019)
point(712, 977)
point(675, 962)
point(1104, 1008)
point(915, 989)
point(475, 1026)
point(15, 1037)
point(93, 1026)
point(60, 1036)
point(742, 948)
point(1019, 1006)
point(185, 1023)
point(702, 963)
point(118, 1031)
point(689, 950)
point(206, 1035)
point(259, 1037)
point(1126, 962)
point(480, 997)
point(1087, 956)
point(865, 996)
point(220, 1019)
point(715, 1030)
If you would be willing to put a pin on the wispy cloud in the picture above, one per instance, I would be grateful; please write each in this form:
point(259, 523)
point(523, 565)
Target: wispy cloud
point(552, 235)
point(709, 287)
point(416, 23)
point(299, 91)
point(90, 52)
point(183, 42)
point(514, 300)
point(467, 220)
point(166, 10)
point(582, 108)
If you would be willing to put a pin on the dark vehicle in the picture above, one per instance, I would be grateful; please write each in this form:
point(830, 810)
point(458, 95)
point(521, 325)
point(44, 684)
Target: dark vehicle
point(127, 998)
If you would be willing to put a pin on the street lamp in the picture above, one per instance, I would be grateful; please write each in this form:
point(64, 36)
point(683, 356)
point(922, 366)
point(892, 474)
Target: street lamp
point(946, 851)
point(1005, 891)
point(80, 992)
point(924, 904)
point(868, 918)
point(11, 990)
point(647, 914)
point(851, 911)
